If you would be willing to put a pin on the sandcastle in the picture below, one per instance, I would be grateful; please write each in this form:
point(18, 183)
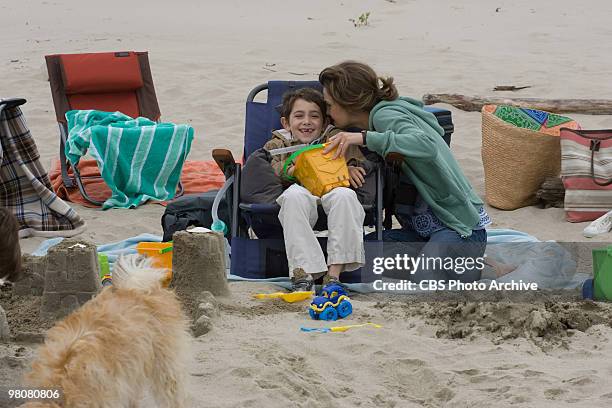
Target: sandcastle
point(198, 264)
point(51, 287)
point(71, 278)
point(58, 283)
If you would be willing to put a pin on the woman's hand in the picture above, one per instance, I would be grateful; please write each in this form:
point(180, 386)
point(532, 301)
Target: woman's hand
point(356, 176)
point(341, 141)
point(290, 170)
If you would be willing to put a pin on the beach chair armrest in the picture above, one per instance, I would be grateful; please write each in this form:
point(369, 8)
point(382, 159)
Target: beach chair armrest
point(260, 208)
point(224, 159)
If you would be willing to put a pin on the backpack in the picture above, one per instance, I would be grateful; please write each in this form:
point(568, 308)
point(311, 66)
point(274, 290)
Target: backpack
point(191, 210)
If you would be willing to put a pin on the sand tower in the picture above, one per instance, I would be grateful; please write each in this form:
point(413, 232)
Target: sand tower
point(71, 278)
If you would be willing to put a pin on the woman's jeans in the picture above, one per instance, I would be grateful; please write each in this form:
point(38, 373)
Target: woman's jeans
point(448, 255)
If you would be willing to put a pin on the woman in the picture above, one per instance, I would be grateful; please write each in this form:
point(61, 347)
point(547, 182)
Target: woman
point(447, 216)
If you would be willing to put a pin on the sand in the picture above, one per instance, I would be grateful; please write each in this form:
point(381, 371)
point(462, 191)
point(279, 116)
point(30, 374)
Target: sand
point(207, 55)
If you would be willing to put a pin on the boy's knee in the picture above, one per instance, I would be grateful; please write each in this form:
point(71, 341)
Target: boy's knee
point(295, 196)
point(343, 194)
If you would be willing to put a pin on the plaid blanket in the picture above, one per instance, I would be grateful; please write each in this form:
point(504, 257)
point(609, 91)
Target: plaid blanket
point(138, 158)
point(25, 186)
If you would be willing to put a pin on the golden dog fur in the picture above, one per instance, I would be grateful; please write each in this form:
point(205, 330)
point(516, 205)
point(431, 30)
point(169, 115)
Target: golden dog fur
point(131, 339)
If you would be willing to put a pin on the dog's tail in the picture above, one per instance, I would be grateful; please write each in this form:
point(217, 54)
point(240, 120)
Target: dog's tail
point(135, 272)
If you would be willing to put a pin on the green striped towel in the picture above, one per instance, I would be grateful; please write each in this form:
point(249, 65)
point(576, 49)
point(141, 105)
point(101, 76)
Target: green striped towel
point(138, 159)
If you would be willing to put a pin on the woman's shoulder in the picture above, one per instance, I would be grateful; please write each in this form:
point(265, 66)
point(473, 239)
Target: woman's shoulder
point(403, 103)
point(402, 109)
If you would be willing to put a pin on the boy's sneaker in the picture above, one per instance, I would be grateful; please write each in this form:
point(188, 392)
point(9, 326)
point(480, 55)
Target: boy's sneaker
point(301, 281)
point(600, 226)
point(330, 280)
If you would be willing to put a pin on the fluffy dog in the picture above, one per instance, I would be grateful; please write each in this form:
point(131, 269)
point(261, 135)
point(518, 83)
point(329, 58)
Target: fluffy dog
point(131, 338)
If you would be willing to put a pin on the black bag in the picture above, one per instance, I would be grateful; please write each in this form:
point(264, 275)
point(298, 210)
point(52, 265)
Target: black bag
point(191, 210)
point(259, 184)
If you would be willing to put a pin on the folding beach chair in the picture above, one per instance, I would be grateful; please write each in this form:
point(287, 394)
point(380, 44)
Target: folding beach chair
point(109, 81)
point(25, 188)
point(265, 257)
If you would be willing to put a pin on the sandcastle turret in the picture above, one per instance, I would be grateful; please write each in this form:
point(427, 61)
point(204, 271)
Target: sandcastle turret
point(71, 278)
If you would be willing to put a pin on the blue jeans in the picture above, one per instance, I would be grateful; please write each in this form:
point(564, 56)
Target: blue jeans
point(444, 244)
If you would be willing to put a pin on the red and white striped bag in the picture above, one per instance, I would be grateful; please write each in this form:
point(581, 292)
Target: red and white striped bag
point(586, 170)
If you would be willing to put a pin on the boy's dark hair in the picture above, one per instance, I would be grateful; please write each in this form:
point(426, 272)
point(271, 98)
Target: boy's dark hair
point(10, 252)
point(308, 94)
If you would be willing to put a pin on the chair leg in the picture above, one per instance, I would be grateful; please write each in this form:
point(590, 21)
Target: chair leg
point(181, 190)
point(65, 165)
point(379, 204)
point(66, 180)
point(81, 186)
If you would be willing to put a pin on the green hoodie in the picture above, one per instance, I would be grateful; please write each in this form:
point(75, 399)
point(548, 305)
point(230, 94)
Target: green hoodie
point(402, 126)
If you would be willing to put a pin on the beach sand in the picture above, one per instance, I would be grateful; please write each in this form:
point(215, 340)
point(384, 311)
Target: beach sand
point(205, 58)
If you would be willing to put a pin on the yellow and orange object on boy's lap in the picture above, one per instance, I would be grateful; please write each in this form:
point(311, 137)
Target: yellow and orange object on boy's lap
point(317, 172)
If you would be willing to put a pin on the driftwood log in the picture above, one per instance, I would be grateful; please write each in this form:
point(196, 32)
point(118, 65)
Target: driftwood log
point(551, 193)
point(475, 103)
point(512, 88)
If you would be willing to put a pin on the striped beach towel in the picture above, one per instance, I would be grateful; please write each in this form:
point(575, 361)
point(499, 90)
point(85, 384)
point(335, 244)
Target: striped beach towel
point(139, 159)
point(24, 184)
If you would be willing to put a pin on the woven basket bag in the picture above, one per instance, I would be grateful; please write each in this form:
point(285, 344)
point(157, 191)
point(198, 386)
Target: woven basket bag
point(516, 161)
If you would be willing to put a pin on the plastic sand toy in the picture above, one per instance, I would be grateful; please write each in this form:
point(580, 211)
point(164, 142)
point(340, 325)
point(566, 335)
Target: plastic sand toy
point(105, 275)
point(338, 328)
point(161, 253)
point(332, 304)
point(318, 172)
point(287, 297)
point(600, 286)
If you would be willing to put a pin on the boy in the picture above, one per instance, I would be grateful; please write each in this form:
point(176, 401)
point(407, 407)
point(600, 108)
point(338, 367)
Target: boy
point(303, 119)
point(10, 252)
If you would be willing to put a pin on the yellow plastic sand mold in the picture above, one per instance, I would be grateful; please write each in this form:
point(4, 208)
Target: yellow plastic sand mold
point(318, 172)
point(353, 326)
point(287, 297)
point(161, 253)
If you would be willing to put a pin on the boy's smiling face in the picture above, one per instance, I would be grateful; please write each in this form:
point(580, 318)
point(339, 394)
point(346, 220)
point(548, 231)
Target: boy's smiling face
point(305, 122)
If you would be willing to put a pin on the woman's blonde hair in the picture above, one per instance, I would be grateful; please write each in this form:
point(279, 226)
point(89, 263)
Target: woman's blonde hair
point(355, 86)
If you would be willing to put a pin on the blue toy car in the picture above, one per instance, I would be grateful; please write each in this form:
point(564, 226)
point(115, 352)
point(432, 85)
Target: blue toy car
point(331, 304)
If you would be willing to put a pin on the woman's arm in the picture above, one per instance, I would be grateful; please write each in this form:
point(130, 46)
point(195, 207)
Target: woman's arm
point(399, 135)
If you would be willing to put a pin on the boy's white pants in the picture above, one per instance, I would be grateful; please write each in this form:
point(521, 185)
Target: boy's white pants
point(345, 215)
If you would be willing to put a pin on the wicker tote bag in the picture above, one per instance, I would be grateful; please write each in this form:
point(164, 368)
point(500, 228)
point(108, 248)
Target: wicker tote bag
point(586, 171)
point(520, 148)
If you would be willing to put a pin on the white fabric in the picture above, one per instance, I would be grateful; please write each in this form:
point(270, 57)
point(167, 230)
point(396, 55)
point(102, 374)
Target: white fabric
point(345, 216)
